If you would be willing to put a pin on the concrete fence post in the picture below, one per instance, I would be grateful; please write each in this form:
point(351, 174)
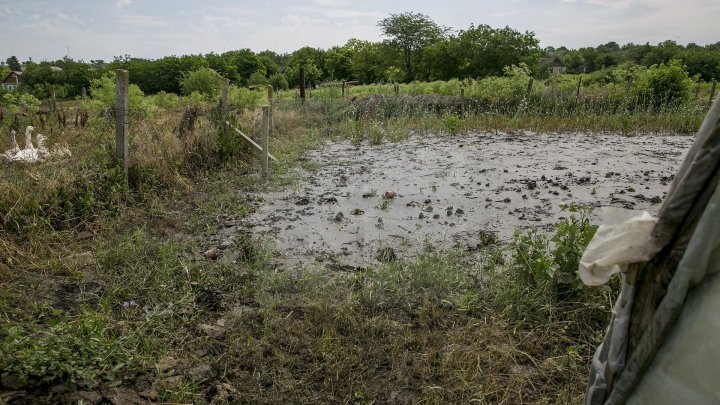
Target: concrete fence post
point(122, 121)
point(271, 93)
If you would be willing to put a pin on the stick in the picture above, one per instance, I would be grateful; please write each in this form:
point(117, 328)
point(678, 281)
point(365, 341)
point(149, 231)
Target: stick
point(247, 138)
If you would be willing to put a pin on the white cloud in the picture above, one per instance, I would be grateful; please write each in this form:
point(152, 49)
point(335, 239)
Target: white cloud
point(332, 3)
point(122, 3)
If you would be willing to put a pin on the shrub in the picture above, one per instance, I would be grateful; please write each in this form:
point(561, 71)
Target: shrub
point(665, 84)
point(102, 91)
point(204, 81)
point(278, 82)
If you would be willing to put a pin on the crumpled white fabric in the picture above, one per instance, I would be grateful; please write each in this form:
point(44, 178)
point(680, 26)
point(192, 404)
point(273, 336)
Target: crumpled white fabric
point(623, 238)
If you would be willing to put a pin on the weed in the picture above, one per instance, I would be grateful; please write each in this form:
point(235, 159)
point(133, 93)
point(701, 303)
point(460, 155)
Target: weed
point(453, 123)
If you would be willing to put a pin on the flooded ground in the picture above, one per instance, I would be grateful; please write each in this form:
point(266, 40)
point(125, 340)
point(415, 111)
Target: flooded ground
point(453, 191)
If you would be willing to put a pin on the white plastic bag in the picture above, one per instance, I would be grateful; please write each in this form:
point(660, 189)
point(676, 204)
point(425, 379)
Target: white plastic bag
point(623, 238)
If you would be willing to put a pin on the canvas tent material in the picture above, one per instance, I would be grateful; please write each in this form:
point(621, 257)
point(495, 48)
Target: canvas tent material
point(668, 306)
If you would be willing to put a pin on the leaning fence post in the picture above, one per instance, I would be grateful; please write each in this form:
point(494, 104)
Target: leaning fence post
point(272, 109)
point(122, 124)
point(225, 90)
point(712, 91)
point(577, 92)
point(265, 140)
point(462, 102)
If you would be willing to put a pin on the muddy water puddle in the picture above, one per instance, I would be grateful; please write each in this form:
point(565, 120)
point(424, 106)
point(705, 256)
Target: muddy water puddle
point(454, 191)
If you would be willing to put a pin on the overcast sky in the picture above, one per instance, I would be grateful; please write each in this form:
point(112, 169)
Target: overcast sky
point(101, 29)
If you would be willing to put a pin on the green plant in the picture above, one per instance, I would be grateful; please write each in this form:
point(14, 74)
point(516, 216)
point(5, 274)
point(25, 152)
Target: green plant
point(204, 81)
point(376, 133)
point(532, 261)
point(572, 236)
point(453, 123)
point(84, 350)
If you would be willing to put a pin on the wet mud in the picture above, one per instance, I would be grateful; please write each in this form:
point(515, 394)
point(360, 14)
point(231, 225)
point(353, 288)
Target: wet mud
point(380, 202)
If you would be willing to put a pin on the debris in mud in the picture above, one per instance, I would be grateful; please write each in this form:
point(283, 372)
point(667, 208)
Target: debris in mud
point(339, 217)
point(357, 211)
point(389, 195)
point(211, 254)
point(328, 200)
point(302, 201)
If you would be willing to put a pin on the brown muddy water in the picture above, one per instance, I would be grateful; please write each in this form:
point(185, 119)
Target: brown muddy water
point(452, 191)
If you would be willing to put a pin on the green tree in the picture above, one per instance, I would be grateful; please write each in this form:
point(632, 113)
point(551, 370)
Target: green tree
point(411, 32)
point(486, 51)
point(702, 62)
point(14, 63)
point(204, 81)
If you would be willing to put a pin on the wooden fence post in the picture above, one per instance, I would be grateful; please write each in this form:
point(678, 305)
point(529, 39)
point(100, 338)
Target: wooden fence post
point(712, 91)
point(343, 89)
point(462, 102)
point(265, 140)
point(272, 109)
point(529, 89)
point(577, 92)
point(302, 85)
point(122, 124)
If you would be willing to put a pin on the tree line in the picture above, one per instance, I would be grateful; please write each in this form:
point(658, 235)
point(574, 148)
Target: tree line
point(415, 48)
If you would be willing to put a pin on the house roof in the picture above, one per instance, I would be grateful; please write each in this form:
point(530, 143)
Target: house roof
point(13, 77)
point(553, 61)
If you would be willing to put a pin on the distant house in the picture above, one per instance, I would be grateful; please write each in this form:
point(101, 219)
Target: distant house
point(12, 81)
point(554, 65)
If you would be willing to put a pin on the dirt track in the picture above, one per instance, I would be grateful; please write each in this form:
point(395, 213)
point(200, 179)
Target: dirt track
point(453, 188)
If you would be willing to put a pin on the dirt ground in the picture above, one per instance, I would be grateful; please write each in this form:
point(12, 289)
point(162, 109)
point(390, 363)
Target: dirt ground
point(453, 191)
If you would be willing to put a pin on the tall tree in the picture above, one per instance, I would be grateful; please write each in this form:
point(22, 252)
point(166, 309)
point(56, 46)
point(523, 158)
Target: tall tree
point(14, 63)
point(485, 51)
point(411, 32)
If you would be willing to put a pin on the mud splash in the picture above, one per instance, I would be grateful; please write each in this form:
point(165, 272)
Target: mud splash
point(455, 191)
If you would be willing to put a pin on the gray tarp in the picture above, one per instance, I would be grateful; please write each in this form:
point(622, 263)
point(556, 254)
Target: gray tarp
point(673, 317)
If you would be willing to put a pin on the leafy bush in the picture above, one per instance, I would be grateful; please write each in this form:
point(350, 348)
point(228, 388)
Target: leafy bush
point(102, 91)
point(204, 81)
point(14, 102)
point(536, 262)
point(665, 84)
point(241, 98)
point(453, 123)
point(166, 100)
point(278, 82)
